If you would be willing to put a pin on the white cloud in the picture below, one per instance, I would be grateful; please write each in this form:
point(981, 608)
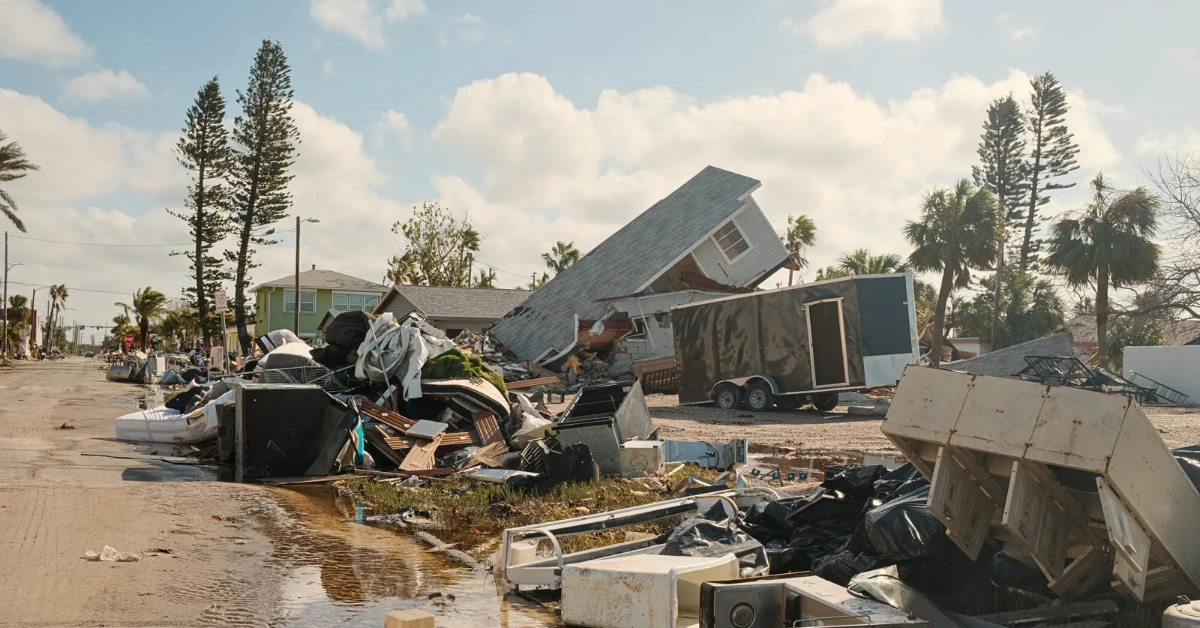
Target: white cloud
point(1015, 34)
point(557, 171)
point(396, 122)
point(105, 85)
point(83, 165)
point(401, 9)
point(471, 28)
point(32, 31)
point(363, 19)
point(850, 23)
point(1186, 59)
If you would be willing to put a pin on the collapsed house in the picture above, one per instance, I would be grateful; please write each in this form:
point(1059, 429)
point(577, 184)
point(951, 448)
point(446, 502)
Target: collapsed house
point(710, 230)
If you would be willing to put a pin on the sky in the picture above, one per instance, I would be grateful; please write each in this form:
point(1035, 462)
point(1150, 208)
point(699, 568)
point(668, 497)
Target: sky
point(545, 121)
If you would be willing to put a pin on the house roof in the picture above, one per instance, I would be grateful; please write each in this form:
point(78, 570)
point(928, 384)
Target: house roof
point(450, 302)
point(624, 262)
point(321, 279)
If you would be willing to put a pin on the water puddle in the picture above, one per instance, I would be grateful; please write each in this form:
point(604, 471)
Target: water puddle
point(787, 464)
point(339, 572)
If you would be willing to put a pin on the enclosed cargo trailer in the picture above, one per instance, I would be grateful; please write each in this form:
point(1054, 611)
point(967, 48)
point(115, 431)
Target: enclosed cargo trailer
point(802, 343)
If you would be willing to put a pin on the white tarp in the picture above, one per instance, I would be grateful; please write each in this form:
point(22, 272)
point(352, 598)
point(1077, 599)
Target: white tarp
point(401, 349)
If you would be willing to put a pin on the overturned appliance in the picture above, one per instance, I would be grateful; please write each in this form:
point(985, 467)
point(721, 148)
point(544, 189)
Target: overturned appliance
point(792, 601)
point(604, 418)
point(285, 430)
point(1079, 479)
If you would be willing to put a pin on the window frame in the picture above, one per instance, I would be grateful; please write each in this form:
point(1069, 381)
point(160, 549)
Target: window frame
point(369, 301)
point(312, 303)
point(741, 233)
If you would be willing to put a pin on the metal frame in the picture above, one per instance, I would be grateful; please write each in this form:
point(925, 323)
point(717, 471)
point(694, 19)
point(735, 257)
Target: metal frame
point(812, 355)
point(548, 572)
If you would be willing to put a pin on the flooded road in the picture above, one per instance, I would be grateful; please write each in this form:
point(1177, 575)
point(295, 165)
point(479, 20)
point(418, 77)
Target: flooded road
point(340, 572)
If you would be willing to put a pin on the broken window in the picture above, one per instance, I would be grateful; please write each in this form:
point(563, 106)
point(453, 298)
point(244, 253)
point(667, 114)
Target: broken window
point(639, 330)
point(730, 239)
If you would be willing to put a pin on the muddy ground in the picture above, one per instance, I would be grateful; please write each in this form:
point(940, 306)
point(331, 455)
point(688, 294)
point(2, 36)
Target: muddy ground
point(217, 553)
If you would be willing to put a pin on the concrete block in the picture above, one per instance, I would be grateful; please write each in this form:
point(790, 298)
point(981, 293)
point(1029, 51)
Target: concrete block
point(408, 618)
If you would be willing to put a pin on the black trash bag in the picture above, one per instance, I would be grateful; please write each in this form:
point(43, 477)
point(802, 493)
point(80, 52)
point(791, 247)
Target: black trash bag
point(767, 521)
point(180, 402)
point(332, 356)
point(903, 528)
point(813, 542)
point(1189, 458)
point(825, 505)
point(714, 533)
point(856, 481)
point(780, 555)
point(900, 481)
point(841, 567)
point(348, 330)
point(457, 458)
point(192, 373)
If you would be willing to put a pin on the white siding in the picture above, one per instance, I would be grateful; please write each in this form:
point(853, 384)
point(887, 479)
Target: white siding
point(765, 250)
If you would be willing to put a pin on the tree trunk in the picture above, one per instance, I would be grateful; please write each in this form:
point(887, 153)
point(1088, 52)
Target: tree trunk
point(939, 317)
point(201, 298)
point(1102, 314)
point(144, 328)
point(790, 271)
point(1033, 199)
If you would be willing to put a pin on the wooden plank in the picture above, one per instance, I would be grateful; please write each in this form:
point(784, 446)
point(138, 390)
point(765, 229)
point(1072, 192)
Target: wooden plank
point(422, 473)
point(394, 420)
point(378, 439)
point(530, 383)
point(324, 479)
point(489, 430)
point(455, 439)
point(400, 443)
point(489, 455)
point(420, 457)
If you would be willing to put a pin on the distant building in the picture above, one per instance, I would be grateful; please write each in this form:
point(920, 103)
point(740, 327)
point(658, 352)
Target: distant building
point(452, 309)
point(320, 291)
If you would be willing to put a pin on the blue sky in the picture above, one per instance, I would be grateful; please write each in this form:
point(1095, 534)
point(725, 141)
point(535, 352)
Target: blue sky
point(559, 120)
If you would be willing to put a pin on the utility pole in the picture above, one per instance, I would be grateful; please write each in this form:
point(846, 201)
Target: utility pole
point(4, 304)
point(296, 308)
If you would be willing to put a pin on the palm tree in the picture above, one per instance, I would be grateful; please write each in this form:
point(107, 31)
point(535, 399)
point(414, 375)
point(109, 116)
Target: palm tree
point(1107, 242)
point(956, 232)
point(862, 262)
point(58, 299)
point(147, 304)
point(801, 233)
point(13, 166)
point(561, 256)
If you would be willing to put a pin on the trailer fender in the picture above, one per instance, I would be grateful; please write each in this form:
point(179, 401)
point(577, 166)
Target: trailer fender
point(743, 382)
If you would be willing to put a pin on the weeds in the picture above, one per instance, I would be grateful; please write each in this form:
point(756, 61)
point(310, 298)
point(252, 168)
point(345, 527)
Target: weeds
point(470, 512)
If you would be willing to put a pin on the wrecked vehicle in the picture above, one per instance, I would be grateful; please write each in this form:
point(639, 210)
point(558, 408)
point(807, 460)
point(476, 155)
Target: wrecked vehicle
point(795, 345)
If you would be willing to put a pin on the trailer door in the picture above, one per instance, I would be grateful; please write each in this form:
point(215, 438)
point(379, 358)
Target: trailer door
point(827, 337)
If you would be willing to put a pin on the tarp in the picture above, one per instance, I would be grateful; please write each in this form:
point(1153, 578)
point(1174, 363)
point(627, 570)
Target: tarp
point(760, 333)
point(397, 351)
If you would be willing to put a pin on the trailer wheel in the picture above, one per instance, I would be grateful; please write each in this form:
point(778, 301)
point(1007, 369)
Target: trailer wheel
point(759, 397)
point(825, 401)
point(728, 396)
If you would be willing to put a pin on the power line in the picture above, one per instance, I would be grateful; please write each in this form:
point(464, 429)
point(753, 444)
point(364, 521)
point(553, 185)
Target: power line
point(499, 269)
point(101, 243)
point(69, 288)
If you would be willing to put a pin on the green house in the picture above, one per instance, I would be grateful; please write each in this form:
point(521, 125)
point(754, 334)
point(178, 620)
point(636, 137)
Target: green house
point(320, 291)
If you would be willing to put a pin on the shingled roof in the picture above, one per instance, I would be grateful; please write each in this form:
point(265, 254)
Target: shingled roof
point(624, 262)
point(450, 302)
point(321, 279)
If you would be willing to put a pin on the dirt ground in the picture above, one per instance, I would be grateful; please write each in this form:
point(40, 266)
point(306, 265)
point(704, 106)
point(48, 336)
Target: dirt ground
point(223, 554)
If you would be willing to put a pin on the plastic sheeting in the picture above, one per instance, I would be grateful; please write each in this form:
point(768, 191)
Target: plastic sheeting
point(714, 533)
point(763, 333)
point(394, 350)
point(885, 585)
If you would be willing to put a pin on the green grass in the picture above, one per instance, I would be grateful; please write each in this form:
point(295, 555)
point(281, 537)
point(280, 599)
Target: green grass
point(473, 513)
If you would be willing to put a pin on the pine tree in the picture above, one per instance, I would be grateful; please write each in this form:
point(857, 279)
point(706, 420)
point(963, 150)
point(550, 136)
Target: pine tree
point(1052, 155)
point(1005, 172)
point(204, 151)
point(265, 148)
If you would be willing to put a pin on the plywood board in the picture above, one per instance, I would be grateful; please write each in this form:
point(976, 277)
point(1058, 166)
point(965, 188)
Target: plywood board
point(488, 455)
point(394, 420)
point(1077, 428)
point(1131, 542)
point(489, 430)
point(530, 383)
point(927, 404)
point(420, 457)
point(960, 505)
point(999, 415)
point(379, 440)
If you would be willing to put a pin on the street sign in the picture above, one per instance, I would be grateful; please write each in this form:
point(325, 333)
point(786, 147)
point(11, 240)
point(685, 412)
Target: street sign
point(128, 339)
point(222, 301)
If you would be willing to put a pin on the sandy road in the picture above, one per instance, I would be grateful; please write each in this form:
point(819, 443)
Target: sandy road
point(55, 504)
